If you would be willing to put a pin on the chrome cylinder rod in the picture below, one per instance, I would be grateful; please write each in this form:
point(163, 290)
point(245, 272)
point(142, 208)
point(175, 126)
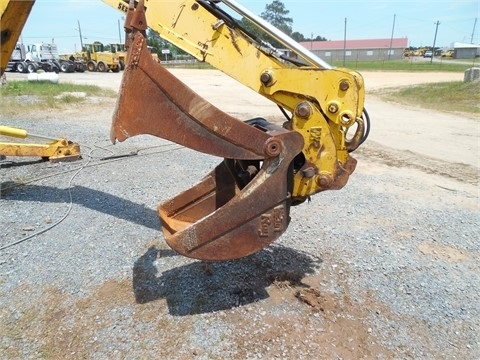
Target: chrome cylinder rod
point(308, 56)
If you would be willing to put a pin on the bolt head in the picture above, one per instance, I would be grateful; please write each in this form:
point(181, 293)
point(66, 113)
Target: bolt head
point(344, 85)
point(309, 172)
point(303, 110)
point(324, 181)
point(266, 78)
point(332, 108)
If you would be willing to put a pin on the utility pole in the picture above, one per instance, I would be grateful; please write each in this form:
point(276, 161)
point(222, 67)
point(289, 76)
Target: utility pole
point(119, 32)
point(473, 31)
point(80, 32)
point(434, 40)
point(391, 37)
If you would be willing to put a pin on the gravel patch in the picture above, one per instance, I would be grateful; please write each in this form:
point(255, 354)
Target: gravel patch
point(386, 268)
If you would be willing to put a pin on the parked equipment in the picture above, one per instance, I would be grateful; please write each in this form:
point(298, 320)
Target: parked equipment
point(118, 49)
point(97, 58)
point(24, 61)
point(29, 59)
point(48, 53)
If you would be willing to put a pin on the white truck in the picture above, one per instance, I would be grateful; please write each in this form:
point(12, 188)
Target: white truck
point(41, 56)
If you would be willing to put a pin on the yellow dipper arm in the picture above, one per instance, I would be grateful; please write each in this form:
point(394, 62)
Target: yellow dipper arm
point(13, 15)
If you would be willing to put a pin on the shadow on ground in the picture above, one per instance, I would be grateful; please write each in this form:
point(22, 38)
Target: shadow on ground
point(10, 164)
point(203, 287)
point(92, 199)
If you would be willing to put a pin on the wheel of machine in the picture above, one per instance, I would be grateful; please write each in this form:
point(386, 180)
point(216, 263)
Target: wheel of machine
point(22, 67)
point(32, 67)
point(64, 66)
point(57, 64)
point(122, 64)
point(116, 69)
point(51, 67)
point(91, 66)
point(102, 67)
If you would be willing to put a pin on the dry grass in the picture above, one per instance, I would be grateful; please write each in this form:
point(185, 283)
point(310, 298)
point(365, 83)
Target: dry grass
point(19, 97)
point(455, 96)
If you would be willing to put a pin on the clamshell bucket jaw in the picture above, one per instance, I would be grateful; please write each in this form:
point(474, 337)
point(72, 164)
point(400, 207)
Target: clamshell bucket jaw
point(219, 219)
point(241, 206)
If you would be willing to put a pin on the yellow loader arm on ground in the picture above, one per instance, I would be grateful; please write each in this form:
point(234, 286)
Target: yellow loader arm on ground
point(53, 149)
point(244, 203)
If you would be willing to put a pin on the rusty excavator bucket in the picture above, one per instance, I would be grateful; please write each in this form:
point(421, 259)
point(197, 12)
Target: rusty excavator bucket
point(243, 204)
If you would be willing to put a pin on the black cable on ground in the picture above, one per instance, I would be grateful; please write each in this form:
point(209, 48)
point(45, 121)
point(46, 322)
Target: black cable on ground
point(107, 160)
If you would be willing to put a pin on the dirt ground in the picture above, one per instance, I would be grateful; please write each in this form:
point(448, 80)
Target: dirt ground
point(397, 127)
point(419, 138)
point(400, 127)
point(329, 310)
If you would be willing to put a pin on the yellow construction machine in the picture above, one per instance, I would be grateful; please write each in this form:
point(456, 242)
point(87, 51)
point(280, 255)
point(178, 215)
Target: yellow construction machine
point(13, 15)
point(119, 50)
point(98, 57)
point(243, 205)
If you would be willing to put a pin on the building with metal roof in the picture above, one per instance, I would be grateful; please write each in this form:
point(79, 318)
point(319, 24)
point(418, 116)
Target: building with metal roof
point(358, 50)
point(465, 50)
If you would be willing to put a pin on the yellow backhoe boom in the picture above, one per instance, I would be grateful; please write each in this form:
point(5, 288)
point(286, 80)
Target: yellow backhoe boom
point(13, 15)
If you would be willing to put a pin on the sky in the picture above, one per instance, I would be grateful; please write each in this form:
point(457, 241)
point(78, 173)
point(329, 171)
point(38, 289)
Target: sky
point(58, 20)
